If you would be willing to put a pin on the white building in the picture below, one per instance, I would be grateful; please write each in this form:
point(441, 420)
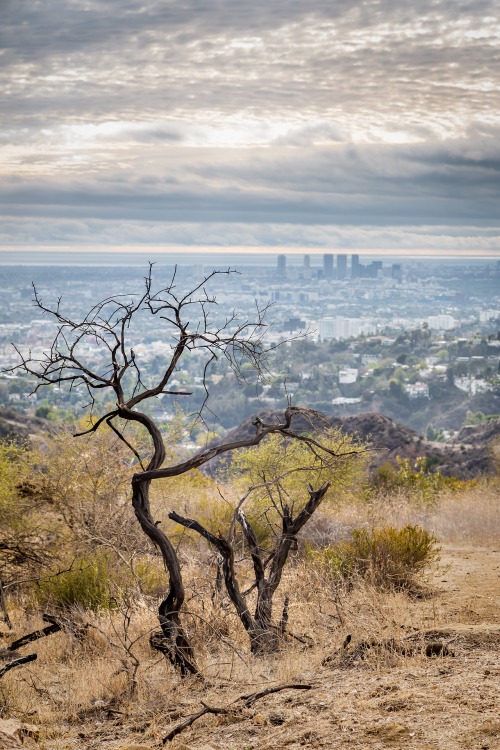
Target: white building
point(344, 328)
point(486, 315)
point(472, 386)
point(441, 322)
point(417, 390)
point(348, 375)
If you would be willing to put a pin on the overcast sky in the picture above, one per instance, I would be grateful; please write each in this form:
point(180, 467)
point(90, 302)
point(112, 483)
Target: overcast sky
point(367, 124)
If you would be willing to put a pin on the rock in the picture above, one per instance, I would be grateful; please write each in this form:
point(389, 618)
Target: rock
point(10, 734)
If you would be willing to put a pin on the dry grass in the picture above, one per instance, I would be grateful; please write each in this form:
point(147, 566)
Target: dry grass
point(471, 515)
point(104, 687)
point(89, 678)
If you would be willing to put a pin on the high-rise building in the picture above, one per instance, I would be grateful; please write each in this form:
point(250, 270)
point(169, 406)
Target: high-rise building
point(441, 322)
point(355, 267)
point(282, 266)
point(328, 266)
point(341, 267)
point(344, 328)
point(397, 272)
point(306, 273)
point(372, 270)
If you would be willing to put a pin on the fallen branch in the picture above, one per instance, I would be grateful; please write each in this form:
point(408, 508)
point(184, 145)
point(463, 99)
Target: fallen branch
point(54, 627)
point(17, 660)
point(248, 700)
point(17, 663)
point(191, 719)
point(253, 697)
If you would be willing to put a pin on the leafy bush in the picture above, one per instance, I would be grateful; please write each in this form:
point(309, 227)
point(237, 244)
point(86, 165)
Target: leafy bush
point(279, 470)
point(85, 585)
point(416, 481)
point(386, 557)
point(23, 519)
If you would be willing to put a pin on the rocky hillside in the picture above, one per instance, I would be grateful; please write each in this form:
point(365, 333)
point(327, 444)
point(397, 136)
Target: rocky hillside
point(469, 455)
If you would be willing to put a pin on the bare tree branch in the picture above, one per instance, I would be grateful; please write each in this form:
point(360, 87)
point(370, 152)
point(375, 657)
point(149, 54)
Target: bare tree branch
point(248, 701)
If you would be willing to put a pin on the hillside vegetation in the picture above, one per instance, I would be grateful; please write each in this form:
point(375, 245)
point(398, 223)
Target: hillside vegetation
point(357, 624)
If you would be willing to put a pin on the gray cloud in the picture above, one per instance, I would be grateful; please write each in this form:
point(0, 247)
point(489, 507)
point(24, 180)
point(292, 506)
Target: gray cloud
point(93, 234)
point(121, 113)
point(344, 184)
point(345, 58)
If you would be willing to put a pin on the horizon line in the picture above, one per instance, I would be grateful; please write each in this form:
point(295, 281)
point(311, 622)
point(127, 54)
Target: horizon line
point(253, 250)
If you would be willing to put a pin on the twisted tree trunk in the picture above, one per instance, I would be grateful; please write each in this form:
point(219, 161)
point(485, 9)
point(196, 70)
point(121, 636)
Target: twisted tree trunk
point(178, 649)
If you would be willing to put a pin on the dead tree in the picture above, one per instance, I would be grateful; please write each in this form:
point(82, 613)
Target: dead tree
point(108, 327)
point(264, 637)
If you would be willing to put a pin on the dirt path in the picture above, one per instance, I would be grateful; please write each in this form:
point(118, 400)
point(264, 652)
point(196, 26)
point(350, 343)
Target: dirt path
point(469, 590)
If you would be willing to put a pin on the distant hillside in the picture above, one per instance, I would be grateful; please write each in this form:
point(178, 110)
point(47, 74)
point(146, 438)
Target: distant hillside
point(15, 426)
point(467, 456)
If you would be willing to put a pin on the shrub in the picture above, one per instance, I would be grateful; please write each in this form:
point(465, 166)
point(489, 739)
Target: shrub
point(386, 557)
point(85, 585)
point(279, 470)
point(421, 486)
point(24, 522)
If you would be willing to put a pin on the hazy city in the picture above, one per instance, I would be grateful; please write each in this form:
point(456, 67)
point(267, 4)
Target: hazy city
point(349, 311)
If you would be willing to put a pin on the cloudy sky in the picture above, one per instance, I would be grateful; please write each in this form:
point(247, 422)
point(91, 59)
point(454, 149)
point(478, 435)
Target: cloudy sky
point(367, 124)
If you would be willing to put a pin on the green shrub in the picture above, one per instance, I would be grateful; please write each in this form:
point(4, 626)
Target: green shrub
point(421, 486)
point(386, 557)
point(85, 585)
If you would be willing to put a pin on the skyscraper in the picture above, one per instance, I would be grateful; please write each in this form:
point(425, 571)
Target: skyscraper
point(397, 272)
point(355, 267)
point(328, 266)
point(341, 267)
point(282, 266)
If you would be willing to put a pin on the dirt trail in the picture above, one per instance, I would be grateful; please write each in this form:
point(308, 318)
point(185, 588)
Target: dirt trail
point(468, 593)
point(438, 703)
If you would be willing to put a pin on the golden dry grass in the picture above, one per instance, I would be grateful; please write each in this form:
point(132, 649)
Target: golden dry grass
point(106, 688)
point(471, 515)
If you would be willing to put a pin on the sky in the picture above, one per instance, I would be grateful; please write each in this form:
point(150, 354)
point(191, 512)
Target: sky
point(356, 125)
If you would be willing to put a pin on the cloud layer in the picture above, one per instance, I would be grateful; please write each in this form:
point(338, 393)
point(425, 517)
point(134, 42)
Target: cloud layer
point(330, 123)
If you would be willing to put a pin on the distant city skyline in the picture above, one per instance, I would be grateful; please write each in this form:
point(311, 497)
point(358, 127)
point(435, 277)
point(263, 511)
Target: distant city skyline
point(269, 255)
point(97, 248)
point(356, 126)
